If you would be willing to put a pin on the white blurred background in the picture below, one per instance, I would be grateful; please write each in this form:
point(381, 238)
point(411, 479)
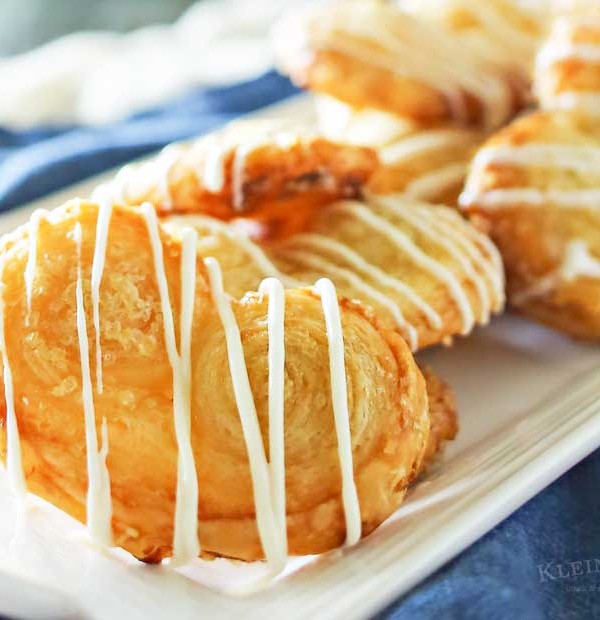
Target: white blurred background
point(95, 61)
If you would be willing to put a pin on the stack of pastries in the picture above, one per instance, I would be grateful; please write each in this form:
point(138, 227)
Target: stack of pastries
point(213, 354)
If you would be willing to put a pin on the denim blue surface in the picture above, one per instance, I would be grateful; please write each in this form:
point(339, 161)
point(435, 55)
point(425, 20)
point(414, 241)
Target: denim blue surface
point(542, 562)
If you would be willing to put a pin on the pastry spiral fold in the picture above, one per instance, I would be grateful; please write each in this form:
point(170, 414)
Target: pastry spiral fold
point(151, 404)
point(535, 187)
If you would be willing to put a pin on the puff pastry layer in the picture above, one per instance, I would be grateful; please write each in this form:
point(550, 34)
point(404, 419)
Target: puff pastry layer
point(164, 339)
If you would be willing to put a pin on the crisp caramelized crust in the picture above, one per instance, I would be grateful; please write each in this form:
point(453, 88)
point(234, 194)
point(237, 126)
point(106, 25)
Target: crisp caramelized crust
point(535, 188)
point(258, 167)
point(374, 55)
point(386, 394)
point(442, 415)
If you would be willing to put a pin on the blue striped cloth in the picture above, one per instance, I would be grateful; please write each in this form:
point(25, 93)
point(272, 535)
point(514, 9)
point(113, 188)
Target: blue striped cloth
point(542, 562)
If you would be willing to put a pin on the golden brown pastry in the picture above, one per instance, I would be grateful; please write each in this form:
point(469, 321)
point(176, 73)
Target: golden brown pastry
point(442, 415)
point(425, 271)
point(248, 165)
point(505, 32)
point(568, 64)
point(535, 188)
point(374, 56)
point(427, 165)
point(135, 386)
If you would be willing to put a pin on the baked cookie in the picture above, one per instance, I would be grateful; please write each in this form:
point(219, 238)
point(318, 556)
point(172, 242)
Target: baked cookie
point(535, 188)
point(139, 397)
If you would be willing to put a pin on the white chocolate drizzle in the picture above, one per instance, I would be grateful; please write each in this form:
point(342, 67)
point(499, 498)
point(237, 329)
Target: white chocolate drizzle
point(340, 273)
point(423, 142)
point(102, 226)
point(578, 262)
point(267, 520)
point(185, 538)
point(531, 197)
point(579, 100)
point(164, 165)
point(339, 397)
point(254, 252)
point(14, 463)
point(578, 158)
point(423, 260)
point(581, 159)
point(268, 478)
point(349, 256)
point(34, 225)
point(276, 332)
point(99, 501)
point(432, 184)
point(384, 36)
point(212, 173)
point(444, 237)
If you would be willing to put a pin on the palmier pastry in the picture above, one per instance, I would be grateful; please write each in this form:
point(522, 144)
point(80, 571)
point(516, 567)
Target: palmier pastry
point(374, 56)
point(568, 65)
point(226, 174)
point(140, 397)
point(425, 271)
point(535, 187)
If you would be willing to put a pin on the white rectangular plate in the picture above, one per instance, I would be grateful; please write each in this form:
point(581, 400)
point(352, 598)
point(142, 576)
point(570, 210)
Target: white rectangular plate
point(529, 404)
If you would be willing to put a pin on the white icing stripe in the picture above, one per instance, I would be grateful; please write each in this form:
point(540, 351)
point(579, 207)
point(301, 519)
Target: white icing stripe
point(517, 197)
point(212, 174)
point(422, 143)
point(432, 184)
point(356, 261)
point(588, 101)
point(448, 221)
point(579, 262)
point(428, 228)
point(403, 242)
point(34, 226)
point(339, 396)
point(185, 538)
point(581, 158)
point(331, 269)
point(340, 122)
point(397, 42)
point(14, 464)
point(99, 502)
point(255, 253)
point(267, 523)
point(163, 166)
point(102, 226)
point(186, 546)
point(557, 52)
point(515, 41)
point(276, 331)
